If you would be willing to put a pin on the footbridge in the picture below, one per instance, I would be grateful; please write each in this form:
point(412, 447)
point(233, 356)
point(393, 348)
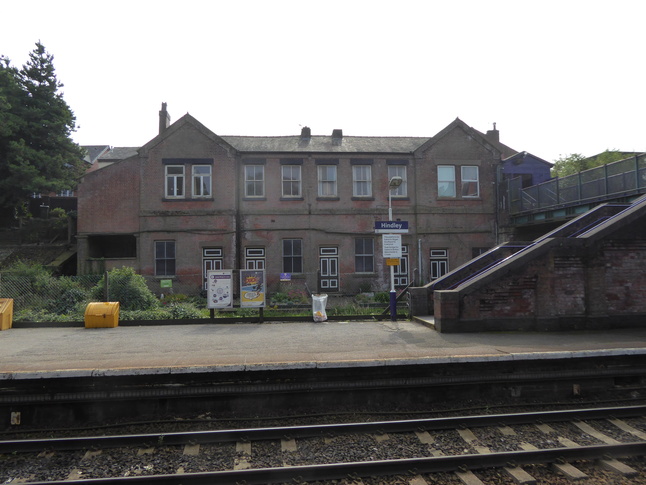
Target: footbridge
point(568, 197)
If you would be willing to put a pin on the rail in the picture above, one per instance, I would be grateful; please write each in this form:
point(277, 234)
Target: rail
point(509, 461)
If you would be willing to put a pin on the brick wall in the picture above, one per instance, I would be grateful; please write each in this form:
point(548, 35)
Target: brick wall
point(570, 283)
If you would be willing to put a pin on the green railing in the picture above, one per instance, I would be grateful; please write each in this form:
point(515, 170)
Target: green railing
point(614, 180)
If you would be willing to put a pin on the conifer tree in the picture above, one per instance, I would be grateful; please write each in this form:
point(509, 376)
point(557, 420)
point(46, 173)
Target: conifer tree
point(37, 154)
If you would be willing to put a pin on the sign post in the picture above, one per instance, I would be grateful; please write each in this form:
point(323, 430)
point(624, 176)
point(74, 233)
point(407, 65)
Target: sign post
point(392, 251)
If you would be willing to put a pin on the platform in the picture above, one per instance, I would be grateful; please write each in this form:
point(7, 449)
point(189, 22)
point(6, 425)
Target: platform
point(33, 353)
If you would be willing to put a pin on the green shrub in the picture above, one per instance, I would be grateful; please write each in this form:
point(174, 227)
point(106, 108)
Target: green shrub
point(153, 314)
point(128, 288)
point(382, 297)
point(184, 310)
point(174, 298)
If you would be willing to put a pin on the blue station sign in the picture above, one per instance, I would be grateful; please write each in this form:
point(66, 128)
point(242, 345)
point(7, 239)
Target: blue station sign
point(391, 227)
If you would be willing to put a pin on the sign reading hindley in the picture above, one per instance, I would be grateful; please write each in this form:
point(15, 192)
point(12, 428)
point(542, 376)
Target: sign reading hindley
point(219, 289)
point(391, 227)
point(252, 288)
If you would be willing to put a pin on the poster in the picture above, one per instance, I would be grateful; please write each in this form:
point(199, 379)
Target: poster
point(252, 288)
point(219, 289)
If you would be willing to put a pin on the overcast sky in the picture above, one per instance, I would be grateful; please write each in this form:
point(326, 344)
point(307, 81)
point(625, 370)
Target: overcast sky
point(557, 77)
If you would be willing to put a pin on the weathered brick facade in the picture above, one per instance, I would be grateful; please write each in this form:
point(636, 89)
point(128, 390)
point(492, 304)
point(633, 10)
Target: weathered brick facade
point(248, 219)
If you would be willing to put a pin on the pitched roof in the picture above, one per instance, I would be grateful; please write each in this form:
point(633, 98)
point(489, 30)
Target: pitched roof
point(325, 144)
point(119, 153)
point(304, 143)
point(521, 156)
point(92, 152)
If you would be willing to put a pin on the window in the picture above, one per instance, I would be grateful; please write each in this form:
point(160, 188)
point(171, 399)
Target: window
point(327, 180)
point(254, 177)
point(362, 181)
point(398, 171)
point(291, 180)
point(470, 183)
point(446, 181)
point(439, 263)
point(364, 255)
point(165, 258)
point(212, 259)
point(292, 256)
point(255, 258)
point(201, 181)
point(175, 181)
point(66, 193)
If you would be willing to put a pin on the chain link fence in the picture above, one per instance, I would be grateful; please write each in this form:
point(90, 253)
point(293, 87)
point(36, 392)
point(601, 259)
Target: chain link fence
point(40, 296)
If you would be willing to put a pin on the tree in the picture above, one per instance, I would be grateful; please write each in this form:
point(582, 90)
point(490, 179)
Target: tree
point(37, 154)
point(568, 165)
point(574, 163)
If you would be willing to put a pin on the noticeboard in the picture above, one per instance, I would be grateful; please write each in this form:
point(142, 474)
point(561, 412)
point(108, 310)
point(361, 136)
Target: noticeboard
point(392, 245)
point(219, 289)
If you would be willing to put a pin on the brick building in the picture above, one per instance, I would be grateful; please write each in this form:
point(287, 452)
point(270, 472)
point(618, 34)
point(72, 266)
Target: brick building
point(190, 200)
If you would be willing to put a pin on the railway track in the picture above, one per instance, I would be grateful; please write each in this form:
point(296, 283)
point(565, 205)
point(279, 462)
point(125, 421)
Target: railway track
point(464, 449)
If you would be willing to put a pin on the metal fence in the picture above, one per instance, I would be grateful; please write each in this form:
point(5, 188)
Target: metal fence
point(39, 296)
point(41, 293)
point(617, 179)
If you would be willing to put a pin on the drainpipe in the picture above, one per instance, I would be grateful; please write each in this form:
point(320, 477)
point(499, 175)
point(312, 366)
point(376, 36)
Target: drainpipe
point(237, 216)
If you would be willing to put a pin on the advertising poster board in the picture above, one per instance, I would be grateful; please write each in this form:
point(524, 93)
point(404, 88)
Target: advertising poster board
point(219, 289)
point(252, 288)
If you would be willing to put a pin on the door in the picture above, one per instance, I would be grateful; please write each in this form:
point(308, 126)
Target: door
point(328, 269)
point(401, 270)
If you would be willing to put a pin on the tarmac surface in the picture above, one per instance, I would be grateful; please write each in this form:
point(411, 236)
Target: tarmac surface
point(33, 353)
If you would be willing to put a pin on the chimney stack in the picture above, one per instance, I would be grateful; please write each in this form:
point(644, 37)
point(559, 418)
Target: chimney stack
point(493, 135)
point(164, 119)
point(306, 133)
point(337, 136)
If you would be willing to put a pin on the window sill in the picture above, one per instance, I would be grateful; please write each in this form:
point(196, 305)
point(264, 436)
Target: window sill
point(192, 199)
point(292, 198)
point(250, 199)
point(330, 199)
point(368, 198)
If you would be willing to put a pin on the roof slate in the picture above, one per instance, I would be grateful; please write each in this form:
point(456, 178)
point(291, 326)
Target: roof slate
point(119, 153)
point(325, 144)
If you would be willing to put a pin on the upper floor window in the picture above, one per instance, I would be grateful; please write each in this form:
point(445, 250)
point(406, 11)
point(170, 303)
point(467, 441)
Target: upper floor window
point(398, 171)
point(470, 181)
point(175, 181)
point(362, 181)
point(201, 180)
point(165, 258)
point(327, 180)
point(291, 175)
point(446, 181)
point(254, 178)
